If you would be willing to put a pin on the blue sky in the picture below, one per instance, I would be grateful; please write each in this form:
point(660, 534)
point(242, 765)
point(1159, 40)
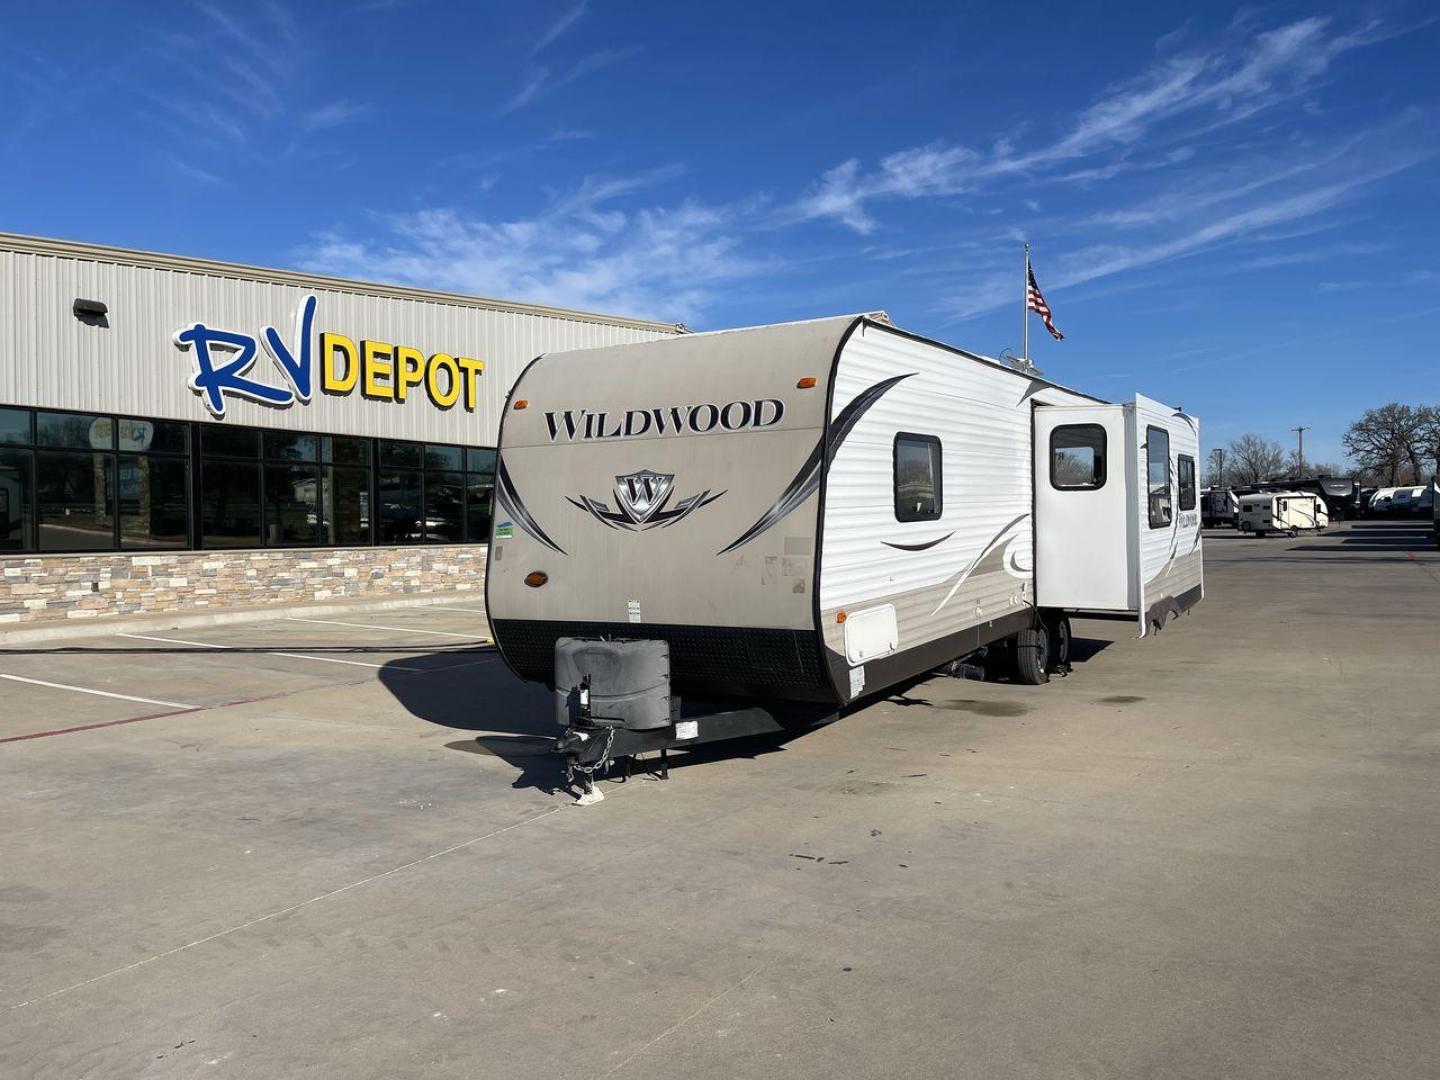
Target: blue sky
point(1232, 208)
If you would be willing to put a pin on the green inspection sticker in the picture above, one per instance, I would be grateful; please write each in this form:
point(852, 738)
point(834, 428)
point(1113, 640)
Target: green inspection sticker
point(504, 531)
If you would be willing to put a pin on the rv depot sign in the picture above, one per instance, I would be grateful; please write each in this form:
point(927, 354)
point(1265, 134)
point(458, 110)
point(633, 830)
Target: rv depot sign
point(380, 370)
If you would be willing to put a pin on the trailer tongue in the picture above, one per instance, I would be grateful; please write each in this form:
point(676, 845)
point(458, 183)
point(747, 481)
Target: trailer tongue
point(614, 701)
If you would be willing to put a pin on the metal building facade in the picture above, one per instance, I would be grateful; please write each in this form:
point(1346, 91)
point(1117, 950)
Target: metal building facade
point(128, 361)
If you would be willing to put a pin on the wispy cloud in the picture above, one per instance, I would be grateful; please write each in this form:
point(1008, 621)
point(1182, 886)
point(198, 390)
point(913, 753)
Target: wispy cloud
point(332, 115)
point(566, 20)
point(544, 80)
point(1101, 260)
point(1224, 84)
point(580, 251)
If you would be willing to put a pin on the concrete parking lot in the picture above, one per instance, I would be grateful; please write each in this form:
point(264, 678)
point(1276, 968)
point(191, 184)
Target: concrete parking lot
point(330, 848)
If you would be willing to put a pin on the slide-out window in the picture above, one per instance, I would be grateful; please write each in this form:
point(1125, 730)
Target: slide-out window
point(1186, 468)
point(1077, 456)
point(1157, 475)
point(919, 493)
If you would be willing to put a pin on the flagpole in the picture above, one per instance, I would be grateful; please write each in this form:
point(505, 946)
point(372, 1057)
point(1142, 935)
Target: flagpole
point(1025, 305)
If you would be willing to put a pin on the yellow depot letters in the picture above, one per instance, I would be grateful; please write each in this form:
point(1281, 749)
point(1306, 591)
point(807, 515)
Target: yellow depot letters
point(385, 372)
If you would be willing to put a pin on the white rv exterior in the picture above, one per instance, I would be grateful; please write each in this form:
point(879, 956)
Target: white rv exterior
point(1292, 512)
point(817, 511)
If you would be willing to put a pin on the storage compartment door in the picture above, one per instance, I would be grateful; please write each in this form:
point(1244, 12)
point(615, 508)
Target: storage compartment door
point(1082, 508)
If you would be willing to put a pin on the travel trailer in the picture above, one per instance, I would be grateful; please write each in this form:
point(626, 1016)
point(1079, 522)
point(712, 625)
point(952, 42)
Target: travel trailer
point(811, 513)
point(1292, 512)
point(1341, 494)
point(1218, 508)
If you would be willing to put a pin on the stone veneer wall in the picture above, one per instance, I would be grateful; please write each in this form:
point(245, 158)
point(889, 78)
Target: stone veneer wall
point(50, 588)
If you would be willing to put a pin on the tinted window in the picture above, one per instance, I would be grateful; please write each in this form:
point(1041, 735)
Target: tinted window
point(75, 497)
point(154, 501)
point(230, 504)
point(292, 505)
point(1077, 456)
point(347, 506)
point(339, 450)
point(15, 505)
point(229, 442)
point(401, 454)
point(480, 459)
point(291, 446)
point(918, 495)
point(1157, 475)
point(444, 457)
point(479, 496)
point(153, 436)
point(400, 507)
point(15, 426)
point(444, 507)
point(1185, 469)
point(78, 431)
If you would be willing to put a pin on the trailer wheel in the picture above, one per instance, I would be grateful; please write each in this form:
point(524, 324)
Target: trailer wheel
point(1059, 630)
point(1032, 655)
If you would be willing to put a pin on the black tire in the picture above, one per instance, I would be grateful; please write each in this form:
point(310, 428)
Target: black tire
point(1059, 630)
point(1032, 655)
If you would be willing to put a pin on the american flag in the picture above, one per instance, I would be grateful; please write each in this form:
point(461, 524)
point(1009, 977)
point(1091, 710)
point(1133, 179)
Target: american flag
point(1035, 301)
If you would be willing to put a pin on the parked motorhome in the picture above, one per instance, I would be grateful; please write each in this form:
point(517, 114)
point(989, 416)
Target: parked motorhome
point(1292, 512)
point(814, 512)
point(1218, 508)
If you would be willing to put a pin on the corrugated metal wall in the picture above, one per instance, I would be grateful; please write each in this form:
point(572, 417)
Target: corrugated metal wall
point(49, 358)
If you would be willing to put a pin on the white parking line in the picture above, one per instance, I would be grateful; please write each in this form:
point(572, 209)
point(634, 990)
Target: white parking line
point(367, 626)
point(97, 693)
point(471, 610)
point(272, 652)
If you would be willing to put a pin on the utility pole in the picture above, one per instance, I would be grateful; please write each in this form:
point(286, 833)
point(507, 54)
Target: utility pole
point(1300, 431)
point(1219, 455)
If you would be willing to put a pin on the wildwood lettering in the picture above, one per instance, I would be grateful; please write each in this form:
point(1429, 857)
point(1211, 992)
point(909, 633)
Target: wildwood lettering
point(579, 424)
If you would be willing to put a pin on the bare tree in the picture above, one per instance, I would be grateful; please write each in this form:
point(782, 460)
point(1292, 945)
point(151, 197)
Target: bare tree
point(1430, 438)
point(1393, 442)
point(1251, 458)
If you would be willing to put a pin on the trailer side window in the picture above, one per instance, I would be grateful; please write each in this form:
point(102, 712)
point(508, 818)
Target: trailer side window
point(1077, 456)
point(1186, 469)
point(1157, 473)
point(918, 488)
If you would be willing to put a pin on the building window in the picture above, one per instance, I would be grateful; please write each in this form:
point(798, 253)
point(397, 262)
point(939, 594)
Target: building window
point(154, 502)
point(1077, 456)
point(1185, 475)
point(15, 427)
point(918, 486)
point(400, 506)
point(75, 431)
point(89, 482)
point(292, 505)
point(16, 509)
point(75, 497)
point(444, 507)
point(1157, 475)
point(229, 504)
point(479, 493)
point(345, 500)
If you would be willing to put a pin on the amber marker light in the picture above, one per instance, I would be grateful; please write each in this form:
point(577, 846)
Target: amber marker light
point(807, 383)
point(536, 578)
point(520, 404)
point(839, 616)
